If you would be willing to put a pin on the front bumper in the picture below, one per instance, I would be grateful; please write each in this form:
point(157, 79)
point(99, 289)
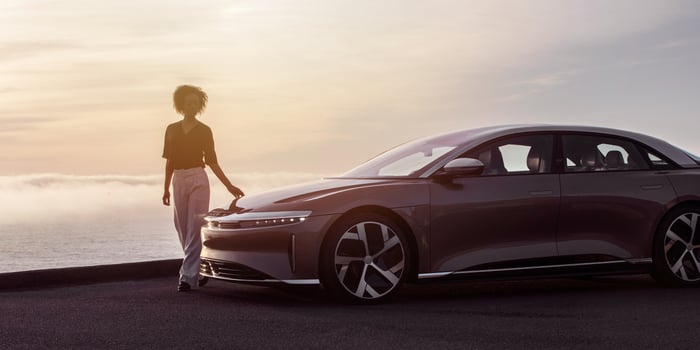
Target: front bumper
point(232, 272)
point(286, 254)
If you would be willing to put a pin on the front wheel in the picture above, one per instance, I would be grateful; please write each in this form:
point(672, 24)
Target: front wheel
point(365, 258)
point(677, 248)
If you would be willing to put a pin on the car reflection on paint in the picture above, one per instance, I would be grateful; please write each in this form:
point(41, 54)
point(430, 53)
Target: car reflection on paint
point(507, 202)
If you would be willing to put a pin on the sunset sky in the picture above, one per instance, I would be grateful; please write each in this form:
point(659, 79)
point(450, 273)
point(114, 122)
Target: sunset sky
point(320, 86)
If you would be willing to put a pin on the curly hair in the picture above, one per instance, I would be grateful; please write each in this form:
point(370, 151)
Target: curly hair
point(183, 91)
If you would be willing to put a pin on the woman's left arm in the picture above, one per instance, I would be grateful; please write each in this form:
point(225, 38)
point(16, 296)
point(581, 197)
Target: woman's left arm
point(235, 191)
point(211, 161)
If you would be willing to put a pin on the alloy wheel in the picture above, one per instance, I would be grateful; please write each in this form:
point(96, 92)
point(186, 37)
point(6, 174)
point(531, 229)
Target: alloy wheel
point(369, 260)
point(682, 247)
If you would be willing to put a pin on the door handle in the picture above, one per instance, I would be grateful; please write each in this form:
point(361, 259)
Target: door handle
point(540, 193)
point(651, 187)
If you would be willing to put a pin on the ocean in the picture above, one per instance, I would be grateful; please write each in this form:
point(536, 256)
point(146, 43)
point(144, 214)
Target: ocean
point(55, 220)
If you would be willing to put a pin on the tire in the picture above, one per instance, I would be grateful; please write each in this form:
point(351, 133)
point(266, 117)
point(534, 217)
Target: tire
point(677, 248)
point(365, 258)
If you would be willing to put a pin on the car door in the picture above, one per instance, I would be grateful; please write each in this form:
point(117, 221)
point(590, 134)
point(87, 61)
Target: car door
point(611, 198)
point(507, 213)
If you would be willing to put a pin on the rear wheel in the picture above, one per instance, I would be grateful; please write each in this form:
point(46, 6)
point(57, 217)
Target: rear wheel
point(677, 248)
point(365, 258)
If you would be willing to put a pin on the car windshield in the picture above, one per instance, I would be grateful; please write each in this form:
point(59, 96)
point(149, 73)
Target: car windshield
point(693, 157)
point(408, 159)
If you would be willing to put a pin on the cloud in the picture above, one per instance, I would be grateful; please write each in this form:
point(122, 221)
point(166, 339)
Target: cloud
point(7, 90)
point(674, 44)
point(27, 49)
point(53, 220)
point(61, 180)
point(536, 85)
point(109, 199)
point(14, 124)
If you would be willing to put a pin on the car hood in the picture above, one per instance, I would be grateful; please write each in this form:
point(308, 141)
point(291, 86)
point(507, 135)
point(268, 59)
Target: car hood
point(296, 197)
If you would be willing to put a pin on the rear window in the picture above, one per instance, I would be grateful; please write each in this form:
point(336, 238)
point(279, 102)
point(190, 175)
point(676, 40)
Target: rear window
point(600, 153)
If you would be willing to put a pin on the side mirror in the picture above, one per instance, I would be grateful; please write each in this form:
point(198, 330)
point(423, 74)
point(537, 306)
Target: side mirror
point(463, 167)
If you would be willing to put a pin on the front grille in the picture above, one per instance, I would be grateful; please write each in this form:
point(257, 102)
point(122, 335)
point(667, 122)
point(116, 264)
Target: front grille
point(231, 270)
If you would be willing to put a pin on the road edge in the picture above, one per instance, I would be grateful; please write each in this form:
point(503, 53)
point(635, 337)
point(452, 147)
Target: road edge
point(89, 274)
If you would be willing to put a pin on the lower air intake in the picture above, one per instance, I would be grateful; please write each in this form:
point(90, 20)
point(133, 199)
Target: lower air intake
point(222, 269)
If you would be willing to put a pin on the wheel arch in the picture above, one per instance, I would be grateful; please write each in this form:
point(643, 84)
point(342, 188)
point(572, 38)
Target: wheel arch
point(390, 214)
point(660, 270)
point(687, 203)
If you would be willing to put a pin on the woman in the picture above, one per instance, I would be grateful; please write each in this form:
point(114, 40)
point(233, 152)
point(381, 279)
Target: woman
point(189, 145)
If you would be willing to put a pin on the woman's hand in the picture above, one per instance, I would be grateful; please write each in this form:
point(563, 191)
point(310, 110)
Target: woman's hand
point(166, 198)
point(235, 191)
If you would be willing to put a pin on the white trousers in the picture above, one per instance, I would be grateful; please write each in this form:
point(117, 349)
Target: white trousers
point(191, 199)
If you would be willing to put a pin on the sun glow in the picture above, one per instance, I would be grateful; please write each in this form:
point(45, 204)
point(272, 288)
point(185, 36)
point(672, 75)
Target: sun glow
point(299, 85)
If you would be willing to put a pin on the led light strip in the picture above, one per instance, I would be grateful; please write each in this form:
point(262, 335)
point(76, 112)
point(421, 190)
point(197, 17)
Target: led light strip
point(257, 219)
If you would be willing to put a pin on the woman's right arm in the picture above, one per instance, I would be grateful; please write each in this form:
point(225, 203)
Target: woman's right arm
point(168, 177)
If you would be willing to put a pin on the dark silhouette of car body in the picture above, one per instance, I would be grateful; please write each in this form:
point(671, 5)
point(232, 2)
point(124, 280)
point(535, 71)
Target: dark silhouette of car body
point(496, 202)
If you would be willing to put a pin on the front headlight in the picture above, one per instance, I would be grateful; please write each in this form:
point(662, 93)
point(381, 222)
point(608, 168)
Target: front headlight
point(257, 219)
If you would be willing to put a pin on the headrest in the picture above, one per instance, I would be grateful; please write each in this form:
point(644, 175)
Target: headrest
point(589, 160)
point(536, 161)
point(614, 159)
point(485, 157)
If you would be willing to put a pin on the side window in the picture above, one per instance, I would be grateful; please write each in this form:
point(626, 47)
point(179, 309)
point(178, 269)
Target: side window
point(654, 159)
point(657, 162)
point(598, 153)
point(518, 155)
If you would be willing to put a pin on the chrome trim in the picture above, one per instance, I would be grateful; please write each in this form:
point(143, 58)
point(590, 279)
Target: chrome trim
point(302, 282)
point(271, 281)
point(294, 252)
point(447, 273)
point(433, 275)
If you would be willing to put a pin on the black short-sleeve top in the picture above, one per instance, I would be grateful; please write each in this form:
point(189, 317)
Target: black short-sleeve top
point(189, 150)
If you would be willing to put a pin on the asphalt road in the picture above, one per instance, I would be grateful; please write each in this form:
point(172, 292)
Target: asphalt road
point(601, 313)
